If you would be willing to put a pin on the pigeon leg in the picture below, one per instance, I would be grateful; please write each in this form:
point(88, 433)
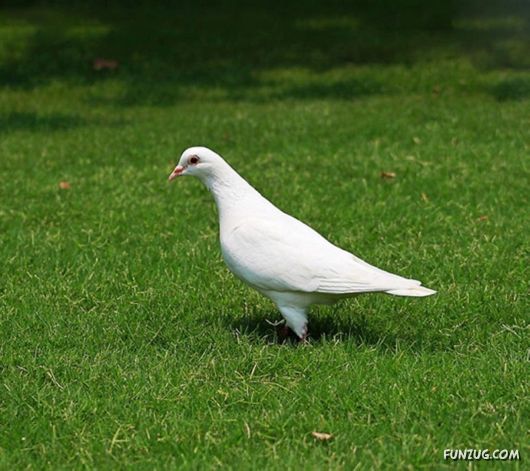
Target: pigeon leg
point(295, 319)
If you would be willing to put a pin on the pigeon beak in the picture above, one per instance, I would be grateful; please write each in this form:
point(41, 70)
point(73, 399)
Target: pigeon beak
point(177, 172)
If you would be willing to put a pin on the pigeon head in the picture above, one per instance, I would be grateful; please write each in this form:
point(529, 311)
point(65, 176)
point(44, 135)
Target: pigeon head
point(200, 162)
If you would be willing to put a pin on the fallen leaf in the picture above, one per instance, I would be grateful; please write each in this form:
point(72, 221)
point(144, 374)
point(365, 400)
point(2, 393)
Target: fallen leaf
point(323, 437)
point(388, 175)
point(483, 218)
point(416, 140)
point(424, 197)
point(101, 64)
point(64, 185)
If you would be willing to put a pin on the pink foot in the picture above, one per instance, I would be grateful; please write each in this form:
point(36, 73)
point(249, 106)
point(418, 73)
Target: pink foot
point(305, 333)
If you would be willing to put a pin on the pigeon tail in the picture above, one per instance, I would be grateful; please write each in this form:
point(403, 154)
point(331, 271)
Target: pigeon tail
point(415, 291)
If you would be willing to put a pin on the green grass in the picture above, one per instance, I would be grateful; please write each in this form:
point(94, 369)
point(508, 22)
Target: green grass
point(124, 340)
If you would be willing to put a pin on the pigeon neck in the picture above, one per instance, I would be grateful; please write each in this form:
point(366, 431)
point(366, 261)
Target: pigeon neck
point(228, 187)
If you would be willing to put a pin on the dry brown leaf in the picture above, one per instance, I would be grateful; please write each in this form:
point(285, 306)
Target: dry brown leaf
point(323, 437)
point(64, 185)
point(483, 218)
point(424, 197)
point(388, 175)
point(101, 64)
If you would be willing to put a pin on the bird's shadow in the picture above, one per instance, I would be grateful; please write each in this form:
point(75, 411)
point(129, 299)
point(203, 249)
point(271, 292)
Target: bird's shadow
point(257, 327)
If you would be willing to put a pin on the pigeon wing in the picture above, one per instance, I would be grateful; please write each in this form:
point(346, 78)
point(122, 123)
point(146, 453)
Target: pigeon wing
point(287, 255)
point(266, 256)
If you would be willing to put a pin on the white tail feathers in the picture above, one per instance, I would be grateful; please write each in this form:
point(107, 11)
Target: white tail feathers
point(416, 291)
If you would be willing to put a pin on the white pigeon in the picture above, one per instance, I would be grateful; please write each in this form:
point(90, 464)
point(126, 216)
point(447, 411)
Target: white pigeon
point(278, 255)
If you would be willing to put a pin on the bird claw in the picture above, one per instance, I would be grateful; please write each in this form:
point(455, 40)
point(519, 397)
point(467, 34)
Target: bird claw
point(283, 331)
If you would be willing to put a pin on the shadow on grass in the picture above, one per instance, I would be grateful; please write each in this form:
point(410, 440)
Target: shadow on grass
point(327, 329)
point(345, 89)
point(512, 89)
point(162, 51)
point(27, 121)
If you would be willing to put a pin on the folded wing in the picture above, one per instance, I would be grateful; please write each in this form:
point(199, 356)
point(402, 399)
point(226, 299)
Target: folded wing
point(283, 254)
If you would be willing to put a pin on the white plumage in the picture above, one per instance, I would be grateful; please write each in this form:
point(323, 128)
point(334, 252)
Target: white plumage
point(279, 255)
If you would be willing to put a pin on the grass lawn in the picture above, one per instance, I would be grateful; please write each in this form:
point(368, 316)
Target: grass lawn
point(125, 341)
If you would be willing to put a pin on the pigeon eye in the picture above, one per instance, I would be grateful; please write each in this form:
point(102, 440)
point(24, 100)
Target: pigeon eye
point(194, 160)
